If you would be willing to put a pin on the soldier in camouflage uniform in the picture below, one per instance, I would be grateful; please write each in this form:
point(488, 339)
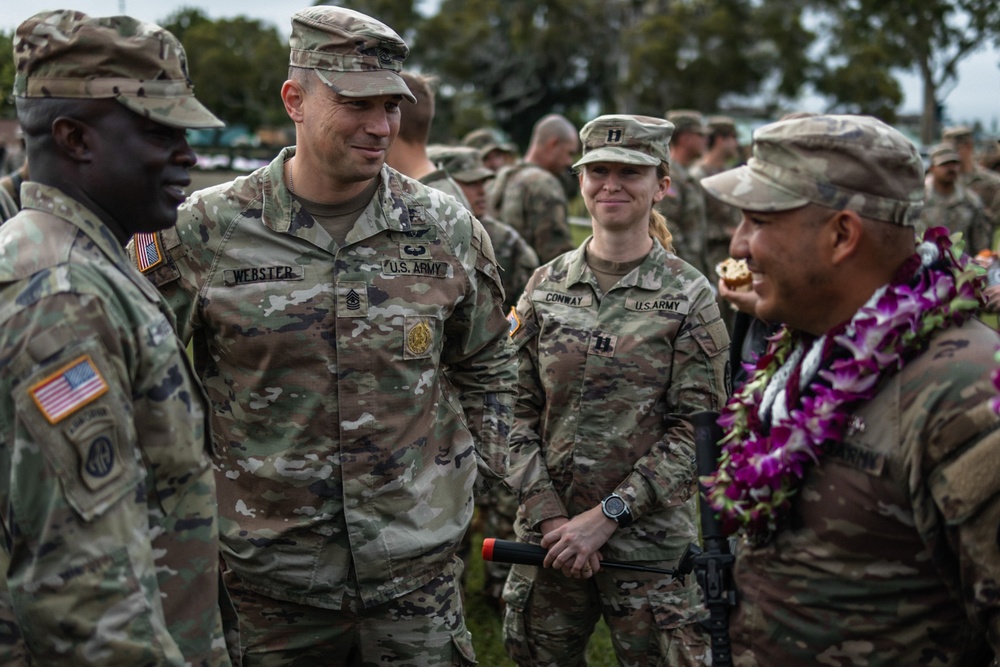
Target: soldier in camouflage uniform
point(619, 342)
point(886, 552)
point(974, 176)
point(347, 324)
point(528, 195)
point(517, 262)
point(408, 155)
point(516, 258)
point(107, 498)
point(721, 220)
point(496, 154)
point(948, 203)
point(684, 205)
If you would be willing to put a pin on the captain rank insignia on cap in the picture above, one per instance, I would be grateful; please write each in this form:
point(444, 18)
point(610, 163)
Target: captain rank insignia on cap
point(68, 389)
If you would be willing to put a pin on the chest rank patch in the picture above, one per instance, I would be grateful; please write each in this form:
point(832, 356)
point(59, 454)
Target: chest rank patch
point(148, 251)
point(602, 345)
point(352, 299)
point(68, 389)
point(418, 337)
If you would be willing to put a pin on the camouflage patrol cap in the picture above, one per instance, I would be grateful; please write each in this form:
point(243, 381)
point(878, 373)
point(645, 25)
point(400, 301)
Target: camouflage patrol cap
point(68, 54)
point(957, 133)
point(838, 161)
point(687, 120)
point(626, 140)
point(721, 124)
point(354, 54)
point(463, 163)
point(485, 141)
point(943, 154)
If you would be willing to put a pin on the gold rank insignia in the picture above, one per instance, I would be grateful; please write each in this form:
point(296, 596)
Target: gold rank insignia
point(514, 321)
point(419, 338)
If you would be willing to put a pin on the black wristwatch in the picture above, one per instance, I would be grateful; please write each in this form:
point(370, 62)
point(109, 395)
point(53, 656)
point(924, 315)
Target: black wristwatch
point(616, 509)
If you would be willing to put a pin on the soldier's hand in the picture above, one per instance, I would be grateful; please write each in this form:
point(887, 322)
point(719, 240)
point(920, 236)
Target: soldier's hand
point(573, 546)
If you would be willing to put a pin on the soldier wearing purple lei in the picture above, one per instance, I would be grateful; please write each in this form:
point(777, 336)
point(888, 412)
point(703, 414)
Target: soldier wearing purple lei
point(860, 457)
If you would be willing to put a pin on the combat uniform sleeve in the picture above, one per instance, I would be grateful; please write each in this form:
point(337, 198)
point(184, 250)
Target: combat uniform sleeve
point(961, 523)
point(481, 363)
point(529, 476)
point(169, 269)
point(699, 381)
point(80, 567)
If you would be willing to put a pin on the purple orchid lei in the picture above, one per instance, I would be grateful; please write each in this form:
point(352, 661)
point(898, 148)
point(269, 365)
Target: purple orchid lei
point(761, 468)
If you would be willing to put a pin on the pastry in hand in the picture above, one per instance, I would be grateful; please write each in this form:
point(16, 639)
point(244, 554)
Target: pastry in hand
point(735, 274)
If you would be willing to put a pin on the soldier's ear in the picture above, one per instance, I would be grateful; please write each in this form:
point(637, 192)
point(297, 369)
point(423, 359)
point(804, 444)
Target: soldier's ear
point(293, 95)
point(72, 137)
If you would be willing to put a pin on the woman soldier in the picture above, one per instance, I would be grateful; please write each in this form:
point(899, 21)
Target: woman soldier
point(619, 342)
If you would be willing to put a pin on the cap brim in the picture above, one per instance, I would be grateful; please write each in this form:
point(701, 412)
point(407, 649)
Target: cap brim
point(473, 175)
point(618, 155)
point(186, 111)
point(746, 189)
point(366, 84)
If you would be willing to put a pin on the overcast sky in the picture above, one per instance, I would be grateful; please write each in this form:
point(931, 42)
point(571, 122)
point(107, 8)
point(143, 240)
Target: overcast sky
point(977, 95)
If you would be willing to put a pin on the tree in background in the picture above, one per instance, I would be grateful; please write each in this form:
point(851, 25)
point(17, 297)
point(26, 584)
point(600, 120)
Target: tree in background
point(927, 36)
point(7, 75)
point(237, 66)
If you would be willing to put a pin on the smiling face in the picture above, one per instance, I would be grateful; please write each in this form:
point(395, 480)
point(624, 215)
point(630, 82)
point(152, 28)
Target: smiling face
point(344, 139)
point(620, 195)
point(785, 254)
point(139, 170)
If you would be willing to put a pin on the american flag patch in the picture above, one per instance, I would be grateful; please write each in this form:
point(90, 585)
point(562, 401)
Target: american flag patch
point(148, 253)
point(68, 389)
point(513, 321)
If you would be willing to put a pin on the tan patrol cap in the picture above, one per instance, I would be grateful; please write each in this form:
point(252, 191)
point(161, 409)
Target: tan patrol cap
point(943, 154)
point(68, 54)
point(956, 133)
point(838, 161)
point(721, 124)
point(687, 120)
point(463, 163)
point(354, 54)
point(485, 141)
point(625, 139)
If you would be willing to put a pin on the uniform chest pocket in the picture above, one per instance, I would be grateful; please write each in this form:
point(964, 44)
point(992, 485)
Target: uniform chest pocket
point(76, 417)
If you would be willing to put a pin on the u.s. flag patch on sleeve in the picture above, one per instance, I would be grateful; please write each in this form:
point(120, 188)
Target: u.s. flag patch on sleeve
point(68, 389)
point(513, 321)
point(148, 252)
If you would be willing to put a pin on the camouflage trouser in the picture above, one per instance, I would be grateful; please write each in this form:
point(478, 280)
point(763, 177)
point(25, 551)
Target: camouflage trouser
point(424, 627)
point(549, 618)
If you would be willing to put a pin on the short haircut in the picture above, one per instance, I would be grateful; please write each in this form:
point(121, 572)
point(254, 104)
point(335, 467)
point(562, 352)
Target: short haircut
point(415, 119)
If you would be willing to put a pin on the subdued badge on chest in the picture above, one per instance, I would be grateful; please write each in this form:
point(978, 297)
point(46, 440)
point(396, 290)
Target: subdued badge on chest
point(352, 299)
point(261, 274)
point(661, 304)
point(602, 344)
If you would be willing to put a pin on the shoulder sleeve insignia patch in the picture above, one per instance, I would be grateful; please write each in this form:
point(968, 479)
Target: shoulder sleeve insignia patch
point(514, 321)
point(68, 389)
point(148, 251)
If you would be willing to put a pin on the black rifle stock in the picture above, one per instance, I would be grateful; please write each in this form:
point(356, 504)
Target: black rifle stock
point(714, 565)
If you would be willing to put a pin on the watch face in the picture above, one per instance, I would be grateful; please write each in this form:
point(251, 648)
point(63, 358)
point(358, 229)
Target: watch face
point(614, 505)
